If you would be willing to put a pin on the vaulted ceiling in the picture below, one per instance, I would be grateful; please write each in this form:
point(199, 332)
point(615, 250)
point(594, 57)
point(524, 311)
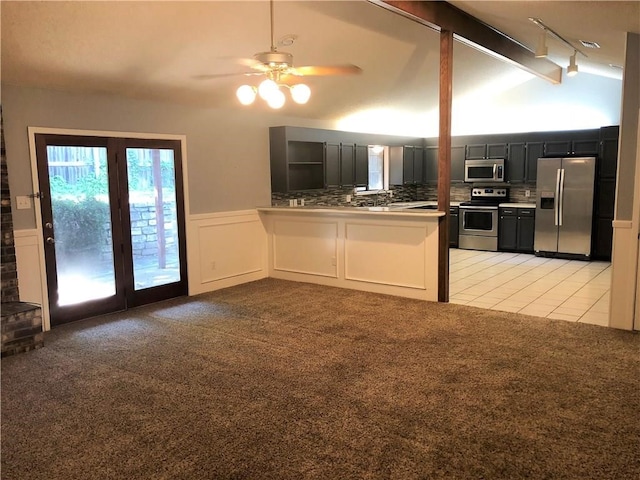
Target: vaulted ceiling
point(158, 50)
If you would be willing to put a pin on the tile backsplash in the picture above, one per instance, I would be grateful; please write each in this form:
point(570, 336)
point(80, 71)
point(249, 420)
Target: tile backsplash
point(460, 192)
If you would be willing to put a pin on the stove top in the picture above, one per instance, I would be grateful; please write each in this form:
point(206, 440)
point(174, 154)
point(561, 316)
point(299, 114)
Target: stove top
point(487, 197)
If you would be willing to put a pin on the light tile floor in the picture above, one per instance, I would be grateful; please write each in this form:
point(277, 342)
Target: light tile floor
point(570, 290)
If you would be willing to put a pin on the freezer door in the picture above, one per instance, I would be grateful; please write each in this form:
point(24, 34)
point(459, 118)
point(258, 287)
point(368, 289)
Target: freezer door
point(546, 234)
point(576, 206)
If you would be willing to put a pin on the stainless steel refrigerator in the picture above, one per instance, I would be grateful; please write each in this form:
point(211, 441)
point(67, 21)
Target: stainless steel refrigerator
point(564, 206)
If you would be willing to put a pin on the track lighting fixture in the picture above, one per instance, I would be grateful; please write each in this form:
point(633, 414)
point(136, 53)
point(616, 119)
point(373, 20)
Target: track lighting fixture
point(541, 49)
point(572, 69)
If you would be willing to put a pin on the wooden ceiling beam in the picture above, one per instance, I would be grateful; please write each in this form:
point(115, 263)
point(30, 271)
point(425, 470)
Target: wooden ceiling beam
point(471, 31)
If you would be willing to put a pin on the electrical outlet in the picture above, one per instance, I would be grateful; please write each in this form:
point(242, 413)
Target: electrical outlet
point(347, 198)
point(527, 193)
point(292, 202)
point(302, 202)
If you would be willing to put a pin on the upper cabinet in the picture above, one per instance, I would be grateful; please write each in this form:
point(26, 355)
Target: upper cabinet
point(406, 165)
point(486, 150)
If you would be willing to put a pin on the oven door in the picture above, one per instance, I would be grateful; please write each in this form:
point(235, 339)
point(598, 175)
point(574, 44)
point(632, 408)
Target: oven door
point(480, 221)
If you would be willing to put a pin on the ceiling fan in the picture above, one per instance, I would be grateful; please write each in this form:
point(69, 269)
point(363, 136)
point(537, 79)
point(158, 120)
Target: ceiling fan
point(278, 67)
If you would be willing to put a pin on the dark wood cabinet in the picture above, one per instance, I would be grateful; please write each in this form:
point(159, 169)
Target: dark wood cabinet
point(347, 165)
point(516, 162)
point(362, 166)
point(457, 164)
point(557, 148)
point(454, 226)
point(406, 165)
point(585, 147)
point(431, 164)
point(475, 151)
point(332, 165)
point(535, 150)
point(516, 229)
point(497, 150)
point(305, 165)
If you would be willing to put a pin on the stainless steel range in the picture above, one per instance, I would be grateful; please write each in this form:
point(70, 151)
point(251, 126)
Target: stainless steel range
point(479, 218)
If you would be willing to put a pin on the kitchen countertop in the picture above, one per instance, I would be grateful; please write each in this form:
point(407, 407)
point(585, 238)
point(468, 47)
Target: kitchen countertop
point(421, 203)
point(328, 210)
point(518, 205)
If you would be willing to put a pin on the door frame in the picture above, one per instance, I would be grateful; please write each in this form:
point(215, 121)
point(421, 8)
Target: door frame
point(32, 131)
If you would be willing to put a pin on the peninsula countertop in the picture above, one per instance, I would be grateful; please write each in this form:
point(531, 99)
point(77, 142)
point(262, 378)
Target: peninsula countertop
point(388, 211)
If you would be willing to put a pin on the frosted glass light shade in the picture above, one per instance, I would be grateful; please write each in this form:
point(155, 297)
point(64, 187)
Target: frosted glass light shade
point(276, 99)
point(266, 88)
point(246, 94)
point(300, 93)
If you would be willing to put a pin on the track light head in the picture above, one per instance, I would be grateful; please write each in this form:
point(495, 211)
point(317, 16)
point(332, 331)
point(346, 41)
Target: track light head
point(572, 69)
point(541, 49)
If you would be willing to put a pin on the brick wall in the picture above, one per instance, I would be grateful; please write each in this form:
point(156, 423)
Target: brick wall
point(8, 261)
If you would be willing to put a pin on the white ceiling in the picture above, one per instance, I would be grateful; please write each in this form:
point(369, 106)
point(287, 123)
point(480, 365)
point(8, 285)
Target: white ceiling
point(156, 49)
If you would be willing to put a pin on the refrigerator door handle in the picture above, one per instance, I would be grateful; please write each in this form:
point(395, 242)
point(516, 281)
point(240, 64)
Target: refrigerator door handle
point(561, 202)
point(556, 200)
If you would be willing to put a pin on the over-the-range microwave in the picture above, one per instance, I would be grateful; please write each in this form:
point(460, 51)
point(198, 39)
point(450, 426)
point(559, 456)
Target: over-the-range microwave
point(484, 170)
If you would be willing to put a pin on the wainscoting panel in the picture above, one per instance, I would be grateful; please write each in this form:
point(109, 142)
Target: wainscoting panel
point(390, 255)
point(225, 249)
point(306, 247)
point(31, 271)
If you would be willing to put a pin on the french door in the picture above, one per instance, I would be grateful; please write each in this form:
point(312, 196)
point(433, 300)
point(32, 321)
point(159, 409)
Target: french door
point(113, 223)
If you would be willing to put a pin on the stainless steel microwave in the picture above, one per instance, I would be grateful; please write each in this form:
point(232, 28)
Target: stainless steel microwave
point(484, 170)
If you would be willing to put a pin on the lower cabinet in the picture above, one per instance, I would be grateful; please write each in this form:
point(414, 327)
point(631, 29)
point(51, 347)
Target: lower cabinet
point(516, 229)
point(453, 226)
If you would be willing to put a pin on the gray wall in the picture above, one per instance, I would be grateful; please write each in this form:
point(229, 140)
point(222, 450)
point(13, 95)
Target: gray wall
point(227, 150)
point(627, 151)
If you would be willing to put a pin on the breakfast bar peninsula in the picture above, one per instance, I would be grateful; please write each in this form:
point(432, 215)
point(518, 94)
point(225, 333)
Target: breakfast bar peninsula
point(377, 249)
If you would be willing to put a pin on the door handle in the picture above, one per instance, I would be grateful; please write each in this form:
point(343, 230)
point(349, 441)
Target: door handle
point(561, 203)
point(556, 199)
point(50, 240)
point(48, 225)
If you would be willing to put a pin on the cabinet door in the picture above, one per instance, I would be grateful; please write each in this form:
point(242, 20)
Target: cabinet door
point(431, 164)
point(396, 165)
point(347, 169)
point(535, 150)
point(526, 229)
point(407, 165)
point(516, 162)
point(362, 165)
point(476, 151)
point(332, 165)
point(497, 150)
point(457, 164)
point(418, 165)
point(508, 230)
point(608, 161)
point(585, 147)
point(557, 147)
point(602, 239)
point(454, 227)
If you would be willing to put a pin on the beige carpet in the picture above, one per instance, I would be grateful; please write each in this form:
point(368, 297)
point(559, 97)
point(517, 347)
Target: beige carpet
point(279, 380)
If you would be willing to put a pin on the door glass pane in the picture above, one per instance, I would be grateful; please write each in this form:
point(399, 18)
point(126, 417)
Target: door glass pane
point(154, 222)
point(81, 223)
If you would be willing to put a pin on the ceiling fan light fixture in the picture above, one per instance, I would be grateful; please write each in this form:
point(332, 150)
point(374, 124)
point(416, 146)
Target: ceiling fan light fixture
point(572, 69)
point(246, 94)
point(266, 89)
point(300, 93)
point(276, 99)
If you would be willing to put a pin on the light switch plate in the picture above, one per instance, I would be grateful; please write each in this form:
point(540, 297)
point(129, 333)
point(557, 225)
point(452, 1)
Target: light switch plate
point(23, 202)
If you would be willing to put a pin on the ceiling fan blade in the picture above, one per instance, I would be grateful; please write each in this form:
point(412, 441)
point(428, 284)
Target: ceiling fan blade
point(326, 70)
point(223, 75)
point(253, 63)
